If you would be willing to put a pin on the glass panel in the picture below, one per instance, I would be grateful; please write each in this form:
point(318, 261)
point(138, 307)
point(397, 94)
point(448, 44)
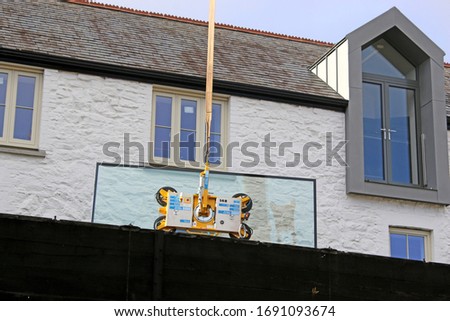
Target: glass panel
point(285, 207)
point(23, 123)
point(416, 246)
point(163, 111)
point(3, 84)
point(214, 156)
point(188, 114)
point(25, 91)
point(187, 145)
point(381, 58)
point(162, 142)
point(373, 134)
point(398, 246)
point(2, 119)
point(403, 133)
point(188, 137)
point(216, 118)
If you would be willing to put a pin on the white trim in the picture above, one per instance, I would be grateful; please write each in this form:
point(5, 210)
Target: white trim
point(14, 71)
point(22, 151)
point(426, 234)
point(4, 137)
point(23, 68)
point(188, 92)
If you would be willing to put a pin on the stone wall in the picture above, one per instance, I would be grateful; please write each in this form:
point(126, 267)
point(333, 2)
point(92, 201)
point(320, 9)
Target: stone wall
point(80, 113)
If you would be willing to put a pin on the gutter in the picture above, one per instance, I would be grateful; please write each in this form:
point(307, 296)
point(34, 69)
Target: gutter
point(170, 79)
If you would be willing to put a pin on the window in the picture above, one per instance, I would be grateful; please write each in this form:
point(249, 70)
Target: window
point(390, 117)
point(410, 244)
point(395, 121)
point(179, 117)
point(20, 92)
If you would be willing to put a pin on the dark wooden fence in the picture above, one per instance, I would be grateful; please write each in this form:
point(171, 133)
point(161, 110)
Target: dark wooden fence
point(42, 259)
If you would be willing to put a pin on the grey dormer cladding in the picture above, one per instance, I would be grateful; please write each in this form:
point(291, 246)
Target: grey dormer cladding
point(447, 93)
point(428, 58)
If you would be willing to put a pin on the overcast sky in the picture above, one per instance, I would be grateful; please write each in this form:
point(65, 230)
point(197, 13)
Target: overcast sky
point(326, 20)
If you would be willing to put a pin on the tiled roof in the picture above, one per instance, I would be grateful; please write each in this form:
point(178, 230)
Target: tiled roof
point(156, 43)
point(198, 22)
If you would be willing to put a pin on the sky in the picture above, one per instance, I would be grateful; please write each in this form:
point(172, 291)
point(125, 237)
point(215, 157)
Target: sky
point(325, 20)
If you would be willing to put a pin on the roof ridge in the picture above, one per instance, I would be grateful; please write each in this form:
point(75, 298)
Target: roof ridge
point(200, 22)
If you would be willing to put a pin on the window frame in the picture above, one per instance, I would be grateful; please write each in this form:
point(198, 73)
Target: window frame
point(407, 231)
point(385, 83)
point(177, 95)
point(14, 71)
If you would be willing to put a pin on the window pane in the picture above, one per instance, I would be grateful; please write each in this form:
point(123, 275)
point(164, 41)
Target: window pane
point(398, 246)
point(403, 133)
point(187, 145)
point(381, 58)
point(373, 134)
point(214, 156)
point(188, 114)
point(23, 123)
point(3, 84)
point(162, 142)
point(2, 119)
point(216, 118)
point(416, 247)
point(25, 91)
point(163, 111)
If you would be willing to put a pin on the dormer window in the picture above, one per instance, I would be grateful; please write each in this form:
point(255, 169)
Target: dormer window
point(380, 58)
point(393, 77)
point(390, 117)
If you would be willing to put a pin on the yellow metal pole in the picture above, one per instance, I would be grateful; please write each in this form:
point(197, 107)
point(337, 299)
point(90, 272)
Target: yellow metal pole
point(209, 77)
point(208, 99)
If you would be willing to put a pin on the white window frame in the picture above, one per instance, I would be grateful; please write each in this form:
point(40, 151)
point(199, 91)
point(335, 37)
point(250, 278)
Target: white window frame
point(177, 95)
point(14, 71)
point(426, 234)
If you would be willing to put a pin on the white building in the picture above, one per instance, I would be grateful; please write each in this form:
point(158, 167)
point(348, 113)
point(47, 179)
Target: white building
point(79, 79)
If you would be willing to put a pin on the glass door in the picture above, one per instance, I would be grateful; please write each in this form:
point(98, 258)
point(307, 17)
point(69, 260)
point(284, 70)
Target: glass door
point(390, 134)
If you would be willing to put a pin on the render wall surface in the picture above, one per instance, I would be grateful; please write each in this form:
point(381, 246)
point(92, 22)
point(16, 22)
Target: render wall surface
point(80, 113)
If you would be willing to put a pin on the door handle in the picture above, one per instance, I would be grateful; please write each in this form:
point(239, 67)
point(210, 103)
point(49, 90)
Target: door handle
point(389, 133)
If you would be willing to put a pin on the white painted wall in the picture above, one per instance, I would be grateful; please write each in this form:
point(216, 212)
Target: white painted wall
point(332, 70)
point(81, 112)
point(342, 74)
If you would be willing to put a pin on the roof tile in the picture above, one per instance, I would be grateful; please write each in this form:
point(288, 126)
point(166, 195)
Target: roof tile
point(154, 43)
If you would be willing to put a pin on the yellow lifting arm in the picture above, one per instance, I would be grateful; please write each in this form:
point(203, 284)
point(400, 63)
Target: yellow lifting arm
point(204, 176)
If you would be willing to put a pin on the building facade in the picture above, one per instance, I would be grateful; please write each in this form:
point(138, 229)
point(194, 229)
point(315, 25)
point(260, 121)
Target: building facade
point(366, 119)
